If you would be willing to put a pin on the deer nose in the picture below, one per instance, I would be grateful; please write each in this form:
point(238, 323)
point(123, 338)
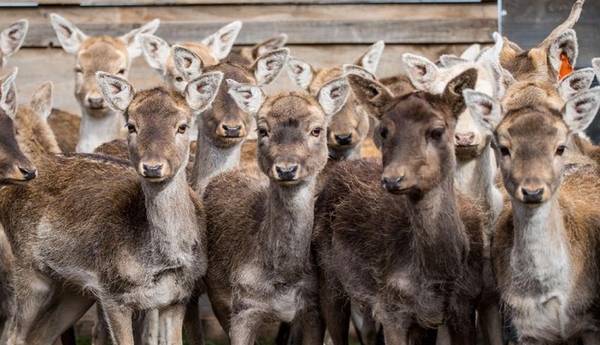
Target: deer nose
point(152, 170)
point(286, 172)
point(28, 173)
point(392, 183)
point(464, 139)
point(232, 131)
point(343, 139)
point(531, 195)
point(95, 101)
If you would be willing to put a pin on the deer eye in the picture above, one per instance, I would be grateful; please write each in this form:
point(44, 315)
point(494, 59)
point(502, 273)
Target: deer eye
point(121, 71)
point(560, 150)
point(383, 132)
point(78, 70)
point(181, 129)
point(437, 133)
point(504, 151)
point(179, 79)
point(131, 128)
point(262, 132)
point(316, 132)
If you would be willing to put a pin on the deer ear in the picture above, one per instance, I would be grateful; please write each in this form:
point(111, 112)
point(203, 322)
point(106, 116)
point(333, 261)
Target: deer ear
point(422, 72)
point(269, 45)
point(69, 36)
point(267, 67)
point(370, 59)
point(580, 110)
point(156, 51)
point(41, 101)
point(453, 94)
point(248, 97)
point(596, 66)
point(300, 72)
point(13, 37)
point(575, 82)
point(354, 69)
point(221, 42)
point(8, 94)
point(132, 38)
point(370, 93)
point(448, 61)
point(485, 109)
point(563, 45)
point(471, 53)
point(187, 62)
point(333, 96)
point(117, 91)
point(201, 92)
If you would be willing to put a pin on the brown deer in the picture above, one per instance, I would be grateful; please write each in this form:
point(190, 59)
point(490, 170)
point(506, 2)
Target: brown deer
point(138, 243)
point(545, 245)
point(11, 39)
point(247, 55)
point(99, 124)
point(350, 126)
point(266, 238)
point(410, 251)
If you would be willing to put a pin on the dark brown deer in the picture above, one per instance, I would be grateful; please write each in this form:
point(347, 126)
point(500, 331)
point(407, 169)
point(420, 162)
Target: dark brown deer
point(410, 251)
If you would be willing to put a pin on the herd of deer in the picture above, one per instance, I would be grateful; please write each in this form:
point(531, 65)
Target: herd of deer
point(425, 242)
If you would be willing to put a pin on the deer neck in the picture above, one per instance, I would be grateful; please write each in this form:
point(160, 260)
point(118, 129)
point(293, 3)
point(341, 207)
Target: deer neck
point(288, 225)
point(95, 131)
point(540, 257)
point(438, 235)
point(172, 219)
point(345, 154)
point(212, 160)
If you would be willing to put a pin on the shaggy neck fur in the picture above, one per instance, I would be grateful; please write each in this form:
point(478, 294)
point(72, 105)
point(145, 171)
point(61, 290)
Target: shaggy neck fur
point(94, 132)
point(212, 160)
point(288, 225)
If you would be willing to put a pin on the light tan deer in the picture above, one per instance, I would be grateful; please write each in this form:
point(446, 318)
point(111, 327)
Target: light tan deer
point(545, 247)
point(99, 124)
point(11, 39)
point(147, 211)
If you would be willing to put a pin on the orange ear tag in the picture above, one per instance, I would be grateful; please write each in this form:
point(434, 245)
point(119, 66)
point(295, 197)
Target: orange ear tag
point(565, 66)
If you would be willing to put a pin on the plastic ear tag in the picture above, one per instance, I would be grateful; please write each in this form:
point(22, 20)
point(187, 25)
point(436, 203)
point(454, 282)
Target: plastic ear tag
point(565, 66)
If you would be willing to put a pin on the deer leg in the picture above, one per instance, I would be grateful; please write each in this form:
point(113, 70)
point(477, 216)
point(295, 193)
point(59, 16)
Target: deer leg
point(365, 326)
point(461, 327)
point(591, 338)
point(171, 325)
point(145, 328)
point(313, 328)
point(395, 335)
point(100, 332)
point(119, 321)
point(244, 325)
point(192, 323)
point(490, 322)
point(335, 310)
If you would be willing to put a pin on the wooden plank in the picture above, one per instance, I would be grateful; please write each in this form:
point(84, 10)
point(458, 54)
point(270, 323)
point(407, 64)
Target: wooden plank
point(37, 65)
point(323, 24)
point(240, 2)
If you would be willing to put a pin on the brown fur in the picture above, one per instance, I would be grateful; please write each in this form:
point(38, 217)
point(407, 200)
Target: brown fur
point(247, 55)
point(66, 129)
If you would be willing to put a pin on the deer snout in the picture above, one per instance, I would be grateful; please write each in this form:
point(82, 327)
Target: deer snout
point(94, 100)
point(152, 169)
point(286, 172)
point(29, 173)
point(343, 139)
point(392, 183)
point(532, 192)
point(464, 139)
point(397, 180)
point(231, 130)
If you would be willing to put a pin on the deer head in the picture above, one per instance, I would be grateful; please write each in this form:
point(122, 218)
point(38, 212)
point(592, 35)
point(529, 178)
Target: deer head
point(292, 145)
point(158, 121)
point(415, 131)
point(98, 53)
point(11, 39)
point(247, 55)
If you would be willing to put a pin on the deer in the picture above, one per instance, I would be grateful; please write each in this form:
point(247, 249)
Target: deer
point(145, 206)
point(400, 240)
point(350, 126)
point(99, 124)
point(544, 250)
point(247, 55)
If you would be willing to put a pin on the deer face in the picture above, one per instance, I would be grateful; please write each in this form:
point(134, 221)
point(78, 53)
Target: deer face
point(415, 132)
point(531, 141)
point(225, 124)
point(14, 166)
point(158, 121)
point(292, 145)
point(94, 54)
point(11, 39)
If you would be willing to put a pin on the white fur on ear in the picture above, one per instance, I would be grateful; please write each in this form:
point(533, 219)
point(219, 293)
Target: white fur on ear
point(484, 108)
point(201, 92)
point(492, 55)
point(267, 67)
point(41, 100)
point(13, 37)
point(270, 44)
point(8, 94)
point(69, 36)
point(575, 82)
point(471, 53)
point(333, 95)
point(580, 110)
point(187, 62)
point(422, 72)
point(300, 72)
point(370, 60)
point(156, 51)
point(248, 97)
point(221, 42)
point(449, 61)
point(596, 67)
point(354, 69)
point(117, 91)
point(565, 43)
point(132, 39)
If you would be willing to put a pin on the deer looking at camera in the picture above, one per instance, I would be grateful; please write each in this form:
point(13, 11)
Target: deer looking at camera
point(148, 210)
point(410, 251)
point(545, 247)
point(266, 238)
point(99, 123)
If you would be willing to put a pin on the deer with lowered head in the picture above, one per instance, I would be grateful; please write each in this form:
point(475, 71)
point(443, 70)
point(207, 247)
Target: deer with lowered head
point(400, 241)
point(259, 251)
point(99, 123)
point(545, 246)
point(138, 244)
